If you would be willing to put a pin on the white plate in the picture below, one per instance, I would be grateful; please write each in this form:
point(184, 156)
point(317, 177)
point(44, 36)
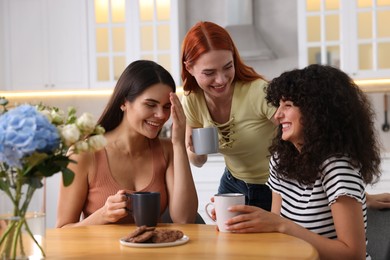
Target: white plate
point(180, 241)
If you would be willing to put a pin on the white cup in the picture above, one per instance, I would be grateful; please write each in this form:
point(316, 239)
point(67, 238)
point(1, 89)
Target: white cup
point(221, 204)
point(205, 140)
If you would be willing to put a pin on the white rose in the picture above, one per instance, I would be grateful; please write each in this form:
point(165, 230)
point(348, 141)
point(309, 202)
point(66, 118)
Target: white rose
point(58, 117)
point(96, 142)
point(86, 123)
point(70, 133)
point(99, 130)
point(47, 114)
point(81, 146)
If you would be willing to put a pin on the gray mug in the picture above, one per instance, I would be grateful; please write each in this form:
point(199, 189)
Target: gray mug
point(205, 140)
point(145, 208)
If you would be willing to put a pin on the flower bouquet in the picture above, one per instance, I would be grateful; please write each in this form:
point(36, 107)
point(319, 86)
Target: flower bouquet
point(36, 142)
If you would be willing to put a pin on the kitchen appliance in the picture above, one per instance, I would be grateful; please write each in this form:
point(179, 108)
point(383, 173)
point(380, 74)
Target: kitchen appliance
point(245, 35)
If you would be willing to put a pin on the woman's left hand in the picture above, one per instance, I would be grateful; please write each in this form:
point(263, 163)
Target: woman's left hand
point(178, 120)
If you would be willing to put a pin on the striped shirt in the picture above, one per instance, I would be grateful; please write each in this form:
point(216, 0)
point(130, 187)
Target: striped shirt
point(309, 205)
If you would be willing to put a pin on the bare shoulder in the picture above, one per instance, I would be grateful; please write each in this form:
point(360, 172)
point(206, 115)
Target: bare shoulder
point(82, 156)
point(166, 144)
point(84, 161)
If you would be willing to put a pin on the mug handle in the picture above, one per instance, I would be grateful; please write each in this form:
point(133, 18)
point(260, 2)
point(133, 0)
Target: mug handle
point(129, 198)
point(207, 212)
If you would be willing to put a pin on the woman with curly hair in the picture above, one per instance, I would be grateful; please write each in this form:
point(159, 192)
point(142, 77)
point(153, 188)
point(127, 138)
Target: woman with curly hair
point(325, 152)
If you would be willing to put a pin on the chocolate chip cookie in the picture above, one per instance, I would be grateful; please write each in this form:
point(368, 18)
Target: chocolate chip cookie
point(140, 234)
point(146, 234)
point(166, 235)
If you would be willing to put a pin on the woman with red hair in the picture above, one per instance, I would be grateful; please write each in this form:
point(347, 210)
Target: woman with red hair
point(221, 91)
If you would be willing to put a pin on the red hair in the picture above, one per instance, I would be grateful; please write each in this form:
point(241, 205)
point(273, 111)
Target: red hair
point(202, 38)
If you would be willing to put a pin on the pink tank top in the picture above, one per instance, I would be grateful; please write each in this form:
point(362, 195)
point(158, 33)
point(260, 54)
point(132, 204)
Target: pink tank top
point(102, 184)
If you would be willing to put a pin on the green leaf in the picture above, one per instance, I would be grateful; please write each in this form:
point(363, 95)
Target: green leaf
point(67, 177)
point(51, 165)
point(35, 159)
point(35, 182)
point(3, 185)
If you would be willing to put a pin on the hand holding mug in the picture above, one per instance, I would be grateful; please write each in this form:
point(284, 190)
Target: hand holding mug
point(115, 207)
point(220, 212)
point(205, 140)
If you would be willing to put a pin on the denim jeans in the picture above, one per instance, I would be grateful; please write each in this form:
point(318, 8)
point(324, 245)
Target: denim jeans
point(258, 195)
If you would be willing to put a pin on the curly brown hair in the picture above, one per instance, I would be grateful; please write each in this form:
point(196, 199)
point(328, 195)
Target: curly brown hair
point(337, 119)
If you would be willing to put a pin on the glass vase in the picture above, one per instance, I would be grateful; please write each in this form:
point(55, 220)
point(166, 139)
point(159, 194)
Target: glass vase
point(23, 232)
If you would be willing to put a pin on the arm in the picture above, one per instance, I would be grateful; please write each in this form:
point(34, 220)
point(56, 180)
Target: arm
point(183, 200)
point(378, 201)
point(72, 198)
point(196, 160)
point(276, 203)
point(348, 220)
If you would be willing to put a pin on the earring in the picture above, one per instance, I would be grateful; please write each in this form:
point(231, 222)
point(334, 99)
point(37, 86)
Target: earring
point(122, 108)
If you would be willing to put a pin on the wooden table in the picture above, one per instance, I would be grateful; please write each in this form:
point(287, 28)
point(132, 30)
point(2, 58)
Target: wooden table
point(205, 242)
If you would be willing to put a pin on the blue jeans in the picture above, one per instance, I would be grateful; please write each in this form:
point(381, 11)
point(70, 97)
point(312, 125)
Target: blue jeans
point(258, 195)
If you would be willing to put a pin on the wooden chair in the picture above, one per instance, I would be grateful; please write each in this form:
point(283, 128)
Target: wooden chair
point(378, 234)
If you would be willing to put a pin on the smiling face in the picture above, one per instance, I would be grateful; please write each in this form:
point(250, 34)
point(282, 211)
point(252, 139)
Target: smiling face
point(214, 71)
point(289, 116)
point(150, 110)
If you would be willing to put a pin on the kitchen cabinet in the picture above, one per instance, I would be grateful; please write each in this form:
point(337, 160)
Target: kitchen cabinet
point(207, 180)
point(353, 35)
point(122, 31)
point(45, 44)
point(383, 185)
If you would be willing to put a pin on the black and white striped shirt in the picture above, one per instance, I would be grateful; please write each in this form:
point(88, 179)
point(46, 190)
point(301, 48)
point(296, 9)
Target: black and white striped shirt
point(309, 206)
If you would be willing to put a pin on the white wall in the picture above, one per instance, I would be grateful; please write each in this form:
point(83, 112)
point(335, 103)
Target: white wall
point(2, 77)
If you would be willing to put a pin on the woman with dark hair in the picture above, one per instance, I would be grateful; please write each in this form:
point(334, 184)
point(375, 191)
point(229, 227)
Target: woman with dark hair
point(221, 91)
point(325, 153)
point(135, 158)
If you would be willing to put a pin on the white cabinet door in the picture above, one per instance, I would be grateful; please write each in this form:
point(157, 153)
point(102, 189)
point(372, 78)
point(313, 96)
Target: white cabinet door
point(25, 45)
point(207, 180)
point(383, 185)
point(67, 31)
point(46, 44)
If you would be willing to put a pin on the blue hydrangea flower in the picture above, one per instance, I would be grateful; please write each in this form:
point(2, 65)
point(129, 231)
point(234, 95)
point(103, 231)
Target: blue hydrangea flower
point(24, 130)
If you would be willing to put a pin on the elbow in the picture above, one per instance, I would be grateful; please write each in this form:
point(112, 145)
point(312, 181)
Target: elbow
point(197, 164)
point(198, 160)
point(59, 224)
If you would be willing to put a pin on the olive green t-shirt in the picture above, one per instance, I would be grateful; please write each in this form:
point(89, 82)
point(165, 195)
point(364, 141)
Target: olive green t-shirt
point(248, 134)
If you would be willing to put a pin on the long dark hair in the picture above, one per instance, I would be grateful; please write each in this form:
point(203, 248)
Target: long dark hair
point(135, 79)
point(337, 119)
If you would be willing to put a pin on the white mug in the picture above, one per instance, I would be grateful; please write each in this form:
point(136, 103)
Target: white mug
point(205, 140)
point(221, 204)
